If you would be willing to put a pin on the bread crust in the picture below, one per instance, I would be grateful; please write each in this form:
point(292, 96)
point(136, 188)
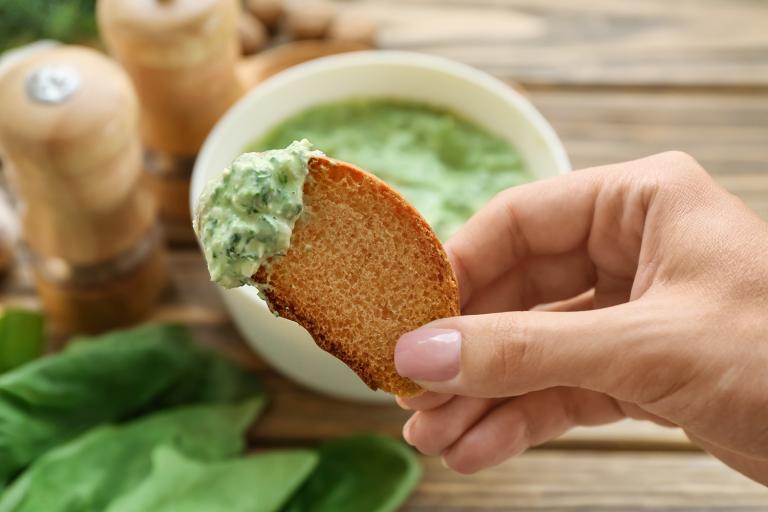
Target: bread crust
point(363, 268)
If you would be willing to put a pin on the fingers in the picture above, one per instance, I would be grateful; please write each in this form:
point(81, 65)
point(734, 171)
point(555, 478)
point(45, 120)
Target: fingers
point(545, 217)
point(527, 421)
point(546, 278)
point(435, 430)
point(423, 402)
point(582, 302)
point(601, 211)
point(473, 433)
point(510, 354)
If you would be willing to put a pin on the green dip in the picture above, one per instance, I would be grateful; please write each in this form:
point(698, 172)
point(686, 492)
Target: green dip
point(246, 215)
point(444, 165)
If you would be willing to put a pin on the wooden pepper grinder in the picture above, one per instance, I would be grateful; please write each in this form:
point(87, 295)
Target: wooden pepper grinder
point(182, 57)
point(70, 143)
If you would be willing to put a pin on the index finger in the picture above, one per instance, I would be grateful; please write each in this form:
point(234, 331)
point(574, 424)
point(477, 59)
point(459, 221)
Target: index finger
point(545, 217)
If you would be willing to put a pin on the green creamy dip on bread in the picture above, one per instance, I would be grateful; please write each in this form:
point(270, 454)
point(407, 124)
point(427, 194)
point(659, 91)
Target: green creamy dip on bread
point(246, 215)
point(344, 255)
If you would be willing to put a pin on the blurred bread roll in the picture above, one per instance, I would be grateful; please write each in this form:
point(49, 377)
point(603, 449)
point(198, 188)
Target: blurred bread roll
point(309, 19)
point(252, 32)
point(353, 26)
point(268, 12)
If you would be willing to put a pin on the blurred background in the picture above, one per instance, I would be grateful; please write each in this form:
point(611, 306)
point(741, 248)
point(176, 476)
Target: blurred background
point(617, 80)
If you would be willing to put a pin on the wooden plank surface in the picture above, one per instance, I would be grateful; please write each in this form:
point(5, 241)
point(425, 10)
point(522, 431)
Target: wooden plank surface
point(706, 43)
point(575, 481)
point(726, 132)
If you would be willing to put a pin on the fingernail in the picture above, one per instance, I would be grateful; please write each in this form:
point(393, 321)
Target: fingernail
point(407, 431)
point(428, 354)
point(402, 403)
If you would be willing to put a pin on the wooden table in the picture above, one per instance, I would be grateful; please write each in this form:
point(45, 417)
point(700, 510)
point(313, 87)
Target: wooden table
point(618, 80)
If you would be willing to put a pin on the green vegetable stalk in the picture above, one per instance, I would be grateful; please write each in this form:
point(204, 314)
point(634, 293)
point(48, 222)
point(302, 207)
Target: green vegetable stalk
point(21, 337)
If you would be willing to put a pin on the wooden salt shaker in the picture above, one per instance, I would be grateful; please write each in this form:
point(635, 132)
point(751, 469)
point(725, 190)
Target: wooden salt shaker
point(70, 143)
point(182, 57)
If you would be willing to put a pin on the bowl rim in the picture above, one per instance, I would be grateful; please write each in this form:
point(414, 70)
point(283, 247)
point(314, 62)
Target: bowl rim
point(459, 70)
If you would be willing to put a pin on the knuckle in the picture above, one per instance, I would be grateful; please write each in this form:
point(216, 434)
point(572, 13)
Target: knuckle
point(509, 342)
point(680, 167)
point(502, 197)
point(680, 158)
point(673, 174)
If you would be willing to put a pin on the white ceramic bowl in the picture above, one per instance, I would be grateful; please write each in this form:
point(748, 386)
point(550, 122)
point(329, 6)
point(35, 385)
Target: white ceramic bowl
point(471, 93)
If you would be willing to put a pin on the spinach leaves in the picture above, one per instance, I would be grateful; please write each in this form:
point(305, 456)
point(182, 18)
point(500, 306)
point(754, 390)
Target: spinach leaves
point(143, 420)
point(23, 21)
point(105, 379)
point(86, 474)
point(260, 483)
point(370, 473)
point(21, 337)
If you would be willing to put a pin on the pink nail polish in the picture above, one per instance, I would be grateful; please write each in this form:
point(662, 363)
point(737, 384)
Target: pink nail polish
point(429, 354)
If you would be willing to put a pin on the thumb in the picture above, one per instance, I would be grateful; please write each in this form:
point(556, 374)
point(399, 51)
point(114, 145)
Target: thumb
point(509, 354)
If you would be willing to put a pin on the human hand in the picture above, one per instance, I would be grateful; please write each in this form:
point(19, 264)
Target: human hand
point(655, 282)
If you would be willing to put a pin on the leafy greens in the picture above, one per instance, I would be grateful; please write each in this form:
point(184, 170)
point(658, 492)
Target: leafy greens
point(260, 483)
point(21, 337)
point(367, 472)
point(143, 420)
point(23, 21)
point(104, 379)
point(86, 474)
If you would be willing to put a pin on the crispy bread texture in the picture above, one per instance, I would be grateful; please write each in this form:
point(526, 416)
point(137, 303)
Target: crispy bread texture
point(362, 269)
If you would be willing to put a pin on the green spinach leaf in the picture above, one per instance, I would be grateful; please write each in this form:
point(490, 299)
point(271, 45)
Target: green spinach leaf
point(370, 473)
point(23, 21)
point(260, 483)
point(21, 337)
point(104, 379)
point(88, 473)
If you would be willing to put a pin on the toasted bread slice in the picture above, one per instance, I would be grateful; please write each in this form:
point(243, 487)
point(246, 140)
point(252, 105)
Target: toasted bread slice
point(363, 268)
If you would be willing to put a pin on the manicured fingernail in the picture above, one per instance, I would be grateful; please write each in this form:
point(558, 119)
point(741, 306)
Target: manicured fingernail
point(428, 354)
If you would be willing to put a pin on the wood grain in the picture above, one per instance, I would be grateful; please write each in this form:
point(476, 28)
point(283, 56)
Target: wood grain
point(726, 132)
point(706, 43)
point(572, 481)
